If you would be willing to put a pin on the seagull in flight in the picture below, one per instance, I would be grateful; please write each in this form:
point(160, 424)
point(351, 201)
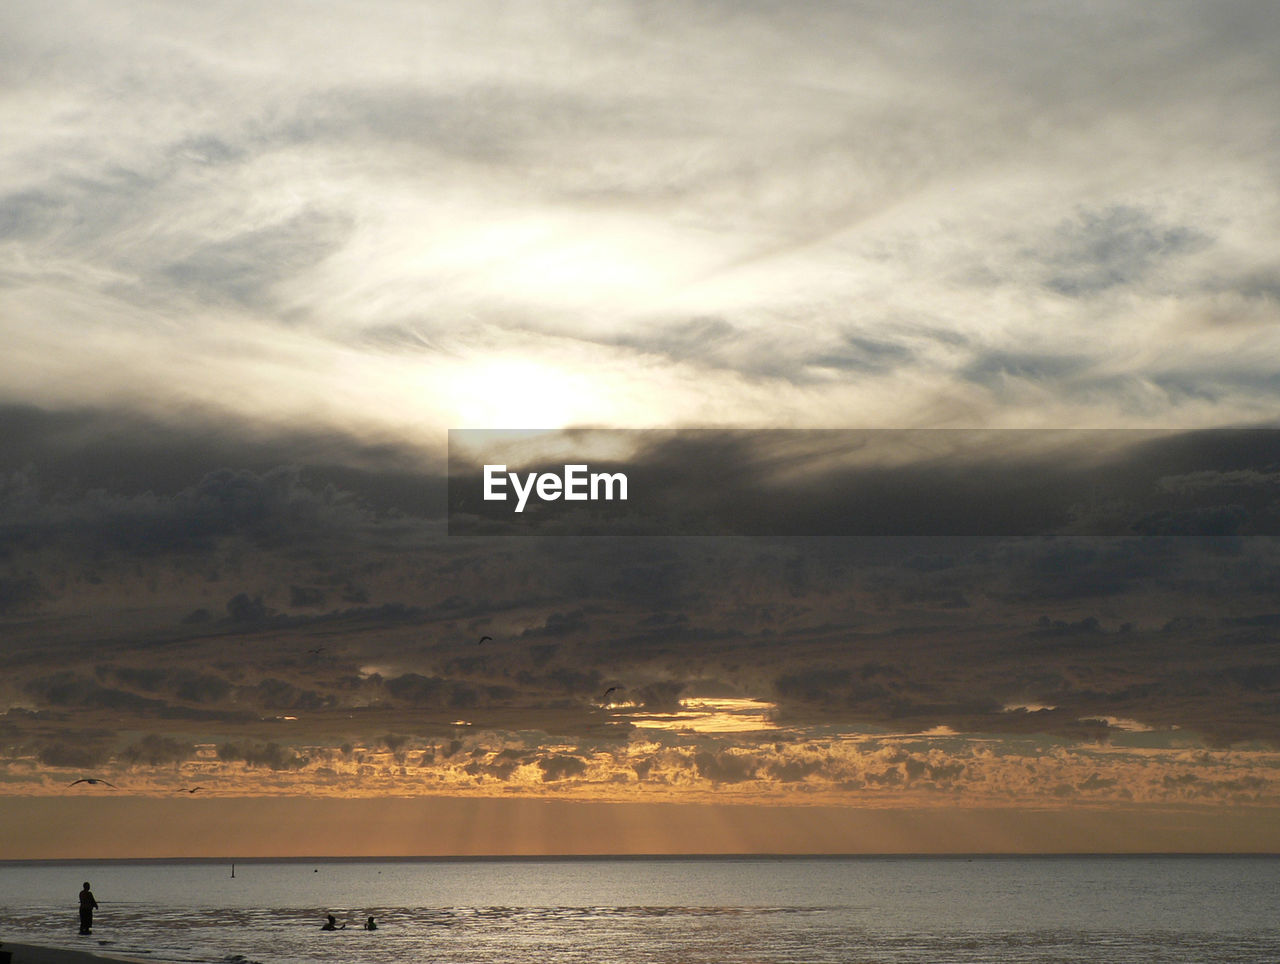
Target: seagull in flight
point(605, 698)
point(185, 790)
point(93, 781)
point(483, 638)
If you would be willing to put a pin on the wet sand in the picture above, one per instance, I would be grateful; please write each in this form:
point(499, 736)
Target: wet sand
point(39, 954)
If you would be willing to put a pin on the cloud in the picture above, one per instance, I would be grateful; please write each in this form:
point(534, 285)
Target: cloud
point(1113, 247)
point(561, 767)
point(119, 449)
point(418, 690)
point(87, 753)
point(20, 594)
point(246, 268)
point(859, 353)
point(271, 755)
point(993, 368)
point(154, 750)
point(253, 266)
point(639, 184)
point(115, 482)
point(896, 632)
point(849, 769)
point(873, 483)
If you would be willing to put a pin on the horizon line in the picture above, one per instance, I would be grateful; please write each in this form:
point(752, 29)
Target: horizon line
point(535, 858)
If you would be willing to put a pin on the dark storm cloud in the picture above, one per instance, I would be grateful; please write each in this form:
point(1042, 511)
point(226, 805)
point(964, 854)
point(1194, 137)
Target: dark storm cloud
point(168, 699)
point(1230, 480)
point(854, 645)
point(724, 767)
point(125, 483)
point(559, 624)
point(660, 695)
point(124, 451)
point(275, 694)
point(1083, 568)
point(307, 597)
point(277, 507)
point(155, 750)
point(898, 633)
point(270, 754)
point(561, 767)
point(417, 690)
point(68, 689)
point(20, 593)
point(78, 754)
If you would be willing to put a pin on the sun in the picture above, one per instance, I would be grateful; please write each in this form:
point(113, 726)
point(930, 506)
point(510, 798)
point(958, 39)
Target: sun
point(521, 394)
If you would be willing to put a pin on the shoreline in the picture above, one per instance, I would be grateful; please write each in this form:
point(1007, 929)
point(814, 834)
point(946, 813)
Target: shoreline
point(48, 954)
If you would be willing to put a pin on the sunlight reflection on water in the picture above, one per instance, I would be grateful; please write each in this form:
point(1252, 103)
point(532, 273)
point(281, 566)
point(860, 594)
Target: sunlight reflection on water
point(1033, 910)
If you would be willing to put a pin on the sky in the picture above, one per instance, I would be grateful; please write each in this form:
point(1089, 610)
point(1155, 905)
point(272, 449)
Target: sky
point(256, 263)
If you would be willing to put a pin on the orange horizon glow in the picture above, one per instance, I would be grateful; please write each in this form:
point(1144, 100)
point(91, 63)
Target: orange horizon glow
point(117, 829)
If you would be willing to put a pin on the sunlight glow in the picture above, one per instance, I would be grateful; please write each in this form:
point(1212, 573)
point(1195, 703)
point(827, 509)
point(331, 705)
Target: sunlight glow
point(1027, 708)
point(712, 716)
point(1120, 723)
point(517, 393)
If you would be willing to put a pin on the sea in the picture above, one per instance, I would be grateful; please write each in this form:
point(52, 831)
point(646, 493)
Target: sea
point(762, 910)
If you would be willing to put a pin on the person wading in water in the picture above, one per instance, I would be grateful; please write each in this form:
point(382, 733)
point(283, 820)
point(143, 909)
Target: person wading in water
point(87, 906)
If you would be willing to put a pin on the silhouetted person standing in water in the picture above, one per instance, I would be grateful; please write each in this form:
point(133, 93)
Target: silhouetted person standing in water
point(369, 925)
point(332, 925)
point(87, 906)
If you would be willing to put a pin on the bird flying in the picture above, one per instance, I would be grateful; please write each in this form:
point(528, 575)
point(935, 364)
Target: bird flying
point(93, 781)
point(483, 638)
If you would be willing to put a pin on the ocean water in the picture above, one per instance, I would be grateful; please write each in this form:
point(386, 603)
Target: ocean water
point(665, 911)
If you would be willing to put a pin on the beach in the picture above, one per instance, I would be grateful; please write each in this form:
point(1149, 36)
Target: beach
point(43, 954)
